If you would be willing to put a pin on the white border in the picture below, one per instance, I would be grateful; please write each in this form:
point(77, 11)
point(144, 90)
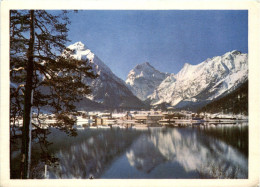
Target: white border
point(254, 86)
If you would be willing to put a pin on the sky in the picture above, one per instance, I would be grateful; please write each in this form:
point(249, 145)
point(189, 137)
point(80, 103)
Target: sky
point(166, 39)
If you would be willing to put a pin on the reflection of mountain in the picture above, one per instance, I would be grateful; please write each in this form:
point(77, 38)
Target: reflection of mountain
point(156, 153)
point(191, 151)
point(148, 158)
point(91, 154)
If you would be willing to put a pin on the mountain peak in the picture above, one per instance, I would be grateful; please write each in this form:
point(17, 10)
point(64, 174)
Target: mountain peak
point(205, 81)
point(186, 64)
point(144, 65)
point(77, 46)
point(107, 90)
point(147, 63)
point(143, 79)
point(234, 52)
point(80, 52)
point(79, 43)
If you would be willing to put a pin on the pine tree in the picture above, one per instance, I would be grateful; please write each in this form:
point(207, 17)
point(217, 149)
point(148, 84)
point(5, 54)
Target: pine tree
point(43, 74)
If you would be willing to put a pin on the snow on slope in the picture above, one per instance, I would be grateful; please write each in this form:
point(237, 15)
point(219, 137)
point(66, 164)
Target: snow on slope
point(144, 79)
point(204, 81)
point(81, 52)
point(107, 89)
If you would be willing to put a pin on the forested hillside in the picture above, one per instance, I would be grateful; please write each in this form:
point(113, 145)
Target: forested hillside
point(235, 102)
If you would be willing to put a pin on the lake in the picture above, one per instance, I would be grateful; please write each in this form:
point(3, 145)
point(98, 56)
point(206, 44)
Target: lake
point(195, 151)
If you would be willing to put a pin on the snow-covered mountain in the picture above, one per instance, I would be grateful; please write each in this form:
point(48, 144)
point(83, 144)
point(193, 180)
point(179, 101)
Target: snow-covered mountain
point(144, 79)
point(203, 82)
point(107, 90)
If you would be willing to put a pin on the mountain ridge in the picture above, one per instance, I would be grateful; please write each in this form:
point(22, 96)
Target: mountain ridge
point(204, 81)
point(192, 87)
point(108, 90)
point(197, 85)
point(143, 79)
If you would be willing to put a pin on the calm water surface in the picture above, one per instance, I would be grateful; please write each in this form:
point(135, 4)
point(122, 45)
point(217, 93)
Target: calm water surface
point(157, 152)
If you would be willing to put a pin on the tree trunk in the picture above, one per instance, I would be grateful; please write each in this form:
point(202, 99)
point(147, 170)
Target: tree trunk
point(28, 102)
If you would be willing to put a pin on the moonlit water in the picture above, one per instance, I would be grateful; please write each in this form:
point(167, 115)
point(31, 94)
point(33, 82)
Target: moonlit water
point(155, 152)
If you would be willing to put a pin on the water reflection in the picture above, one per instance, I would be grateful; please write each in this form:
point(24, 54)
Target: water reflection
point(199, 151)
point(143, 155)
point(197, 154)
point(91, 152)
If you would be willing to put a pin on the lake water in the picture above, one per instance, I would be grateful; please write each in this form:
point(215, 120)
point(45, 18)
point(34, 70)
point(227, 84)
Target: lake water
point(215, 151)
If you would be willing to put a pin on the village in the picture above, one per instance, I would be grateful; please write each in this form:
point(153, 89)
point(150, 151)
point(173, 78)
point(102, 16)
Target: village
point(141, 119)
